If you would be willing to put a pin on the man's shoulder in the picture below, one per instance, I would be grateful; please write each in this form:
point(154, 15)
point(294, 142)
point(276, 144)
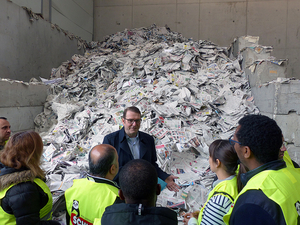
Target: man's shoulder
point(116, 207)
point(112, 135)
point(257, 198)
point(96, 184)
point(254, 197)
point(134, 207)
point(162, 212)
point(77, 183)
point(255, 204)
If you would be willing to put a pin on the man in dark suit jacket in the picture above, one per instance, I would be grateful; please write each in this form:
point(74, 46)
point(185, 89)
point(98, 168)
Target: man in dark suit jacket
point(131, 143)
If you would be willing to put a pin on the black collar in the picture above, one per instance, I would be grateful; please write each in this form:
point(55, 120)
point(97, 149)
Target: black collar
point(273, 165)
point(102, 180)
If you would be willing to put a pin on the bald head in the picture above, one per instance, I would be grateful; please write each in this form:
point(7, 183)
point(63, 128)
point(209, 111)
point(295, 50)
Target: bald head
point(103, 161)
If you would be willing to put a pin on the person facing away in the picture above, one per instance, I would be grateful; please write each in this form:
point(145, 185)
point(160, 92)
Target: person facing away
point(4, 132)
point(131, 143)
point(88, 197)
point(223, 161)
point(24, 197)
point(139, 189)
point(271, 193)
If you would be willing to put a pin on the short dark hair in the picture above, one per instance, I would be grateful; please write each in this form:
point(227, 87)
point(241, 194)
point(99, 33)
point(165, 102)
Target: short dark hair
point(262, 135)
point(102, 166)
point(138, 180)
point(224, 151)
point(132, 109)
point(3, 118)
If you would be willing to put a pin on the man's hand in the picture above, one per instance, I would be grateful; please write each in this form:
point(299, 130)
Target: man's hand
point(171, 185)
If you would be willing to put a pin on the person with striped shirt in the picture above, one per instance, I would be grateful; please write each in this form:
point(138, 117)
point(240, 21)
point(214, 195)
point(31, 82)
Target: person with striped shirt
point(223, 161)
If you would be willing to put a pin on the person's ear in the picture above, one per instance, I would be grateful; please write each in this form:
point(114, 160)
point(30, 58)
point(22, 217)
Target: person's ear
point(218, 163)
point(123, 120)
point(158, 189)
point(247, 152)
point(121, 195)
point(113, 169)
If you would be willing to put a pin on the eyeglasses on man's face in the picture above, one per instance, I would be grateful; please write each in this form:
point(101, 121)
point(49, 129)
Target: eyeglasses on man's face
point(131, 121)
point(232, 142)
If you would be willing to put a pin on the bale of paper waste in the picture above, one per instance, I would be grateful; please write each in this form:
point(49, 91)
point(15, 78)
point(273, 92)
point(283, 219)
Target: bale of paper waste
point(189, 92)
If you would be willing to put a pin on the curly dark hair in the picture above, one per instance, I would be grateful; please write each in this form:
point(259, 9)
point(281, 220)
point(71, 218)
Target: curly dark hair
point(262, 135)
point(138, 180)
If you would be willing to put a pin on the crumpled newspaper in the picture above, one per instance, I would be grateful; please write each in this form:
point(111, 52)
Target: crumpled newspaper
point(189, 92)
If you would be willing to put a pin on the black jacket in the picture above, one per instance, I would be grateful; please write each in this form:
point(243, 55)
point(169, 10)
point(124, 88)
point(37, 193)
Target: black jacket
point(25, 199)
point(147, 150)
point(128, 214)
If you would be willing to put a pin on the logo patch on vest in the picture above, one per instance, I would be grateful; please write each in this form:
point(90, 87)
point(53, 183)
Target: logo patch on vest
point(75, 207)
point(75, 216)
point(79, 221)
point(297, 205)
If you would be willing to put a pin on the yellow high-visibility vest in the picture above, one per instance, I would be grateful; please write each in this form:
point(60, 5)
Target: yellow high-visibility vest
point(87, 200)
point(288, 160)
point(227, 188)
point(45, 212)
point(281, 186)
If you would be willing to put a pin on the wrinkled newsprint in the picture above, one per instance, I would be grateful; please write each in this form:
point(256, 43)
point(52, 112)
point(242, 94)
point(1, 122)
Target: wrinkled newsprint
point(189, 92)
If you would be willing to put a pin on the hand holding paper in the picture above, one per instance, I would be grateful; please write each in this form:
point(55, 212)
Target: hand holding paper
point(171, 185)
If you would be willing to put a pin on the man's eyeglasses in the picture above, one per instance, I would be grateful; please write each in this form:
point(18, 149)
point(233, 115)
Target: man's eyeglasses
point(131, 121)
point(232, 142)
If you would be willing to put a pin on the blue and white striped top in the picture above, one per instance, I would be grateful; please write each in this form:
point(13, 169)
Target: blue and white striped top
point(217, 206)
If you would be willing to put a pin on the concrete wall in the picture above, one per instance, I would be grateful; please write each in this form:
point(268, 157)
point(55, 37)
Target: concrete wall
point(20, 102)
point(274, 95)
point(34, 5)
point(27, 49)
point(75, 16)
point(30, 49)
point(276, 22)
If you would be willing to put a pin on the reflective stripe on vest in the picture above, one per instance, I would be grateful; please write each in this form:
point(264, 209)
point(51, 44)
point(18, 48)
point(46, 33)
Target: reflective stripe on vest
point(281, 186)
point(228, 188)
point(87, 200)
point(45, 212)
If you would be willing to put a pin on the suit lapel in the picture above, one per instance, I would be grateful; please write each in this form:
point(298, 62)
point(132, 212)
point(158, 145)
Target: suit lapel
point(125, 147)
point(123, 143)
point(143, 146)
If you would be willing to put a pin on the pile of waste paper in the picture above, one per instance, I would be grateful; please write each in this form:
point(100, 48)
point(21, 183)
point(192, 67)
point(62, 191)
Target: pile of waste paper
point(189, 92)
